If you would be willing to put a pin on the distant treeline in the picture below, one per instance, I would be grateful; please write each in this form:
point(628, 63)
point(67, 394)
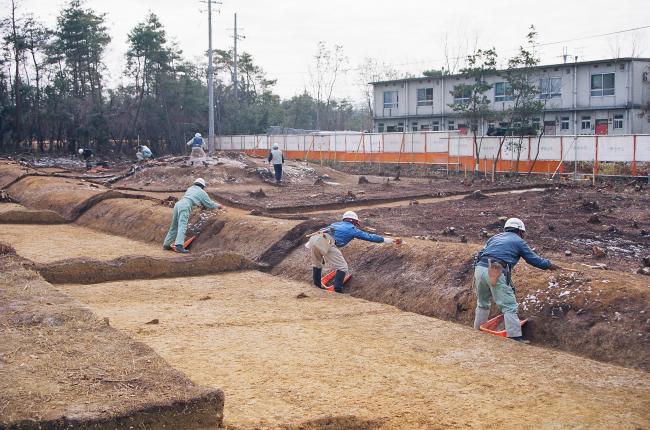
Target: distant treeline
point(53, 89)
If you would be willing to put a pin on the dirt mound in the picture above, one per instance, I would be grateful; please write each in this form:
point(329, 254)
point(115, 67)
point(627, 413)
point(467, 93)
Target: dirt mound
point(20, 215)
point(63, 367)
point(602, 315)
point(10, 171)
point(89, 271)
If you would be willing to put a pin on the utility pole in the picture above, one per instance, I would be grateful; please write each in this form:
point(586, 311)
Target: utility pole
point(236, 37)
point(210, 80)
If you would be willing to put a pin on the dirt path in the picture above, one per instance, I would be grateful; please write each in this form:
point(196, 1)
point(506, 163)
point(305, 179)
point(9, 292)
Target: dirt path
point(407, 201)
point(334, 359)
point(48, 243)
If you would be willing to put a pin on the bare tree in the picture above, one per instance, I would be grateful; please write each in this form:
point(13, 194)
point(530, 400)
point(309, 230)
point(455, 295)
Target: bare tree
point(372, 71)
point(327, 68)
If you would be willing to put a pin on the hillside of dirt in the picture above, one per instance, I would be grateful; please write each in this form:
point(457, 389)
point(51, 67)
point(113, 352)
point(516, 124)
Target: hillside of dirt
point(63, 367)
point(614, 218)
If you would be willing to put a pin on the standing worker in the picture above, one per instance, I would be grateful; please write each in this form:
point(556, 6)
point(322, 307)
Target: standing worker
point(87, 155)
point(194, 196)
point(325, 244)
point(277, 159)
point(493, 275)
point(198, 145)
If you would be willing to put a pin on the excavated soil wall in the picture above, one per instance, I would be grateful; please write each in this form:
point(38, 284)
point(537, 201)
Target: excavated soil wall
point(89, 271)
point(16, 214)
point(63, 367)
point(599, 314)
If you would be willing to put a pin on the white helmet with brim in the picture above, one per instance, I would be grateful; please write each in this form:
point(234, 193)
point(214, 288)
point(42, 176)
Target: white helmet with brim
point(351, 215)
point(515, 223)
point(199, 181)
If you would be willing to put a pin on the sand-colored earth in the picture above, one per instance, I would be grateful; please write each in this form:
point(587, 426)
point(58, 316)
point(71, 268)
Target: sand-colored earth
point(48, 243)
point(283, 360)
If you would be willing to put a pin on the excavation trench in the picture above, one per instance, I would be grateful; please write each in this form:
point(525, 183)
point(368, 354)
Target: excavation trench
point(593, 313)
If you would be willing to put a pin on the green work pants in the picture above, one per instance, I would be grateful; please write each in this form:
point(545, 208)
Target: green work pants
point(178, 227)
point(504, 297)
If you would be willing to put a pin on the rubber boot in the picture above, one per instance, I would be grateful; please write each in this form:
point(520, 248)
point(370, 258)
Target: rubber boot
point(512, 324)
point(179, 248)
point(480, 317)
point(317, 276)
point(167, 247)
point(338, 281)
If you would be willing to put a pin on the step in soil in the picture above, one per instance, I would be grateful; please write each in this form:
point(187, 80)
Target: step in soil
point(49, 243)
point(63, 367)
point(287, 354)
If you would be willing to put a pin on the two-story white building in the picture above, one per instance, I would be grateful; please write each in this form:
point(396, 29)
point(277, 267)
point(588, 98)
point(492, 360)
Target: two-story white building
point(589, 97)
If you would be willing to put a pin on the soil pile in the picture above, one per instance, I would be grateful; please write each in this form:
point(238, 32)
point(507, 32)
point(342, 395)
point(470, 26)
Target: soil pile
point(62, 367)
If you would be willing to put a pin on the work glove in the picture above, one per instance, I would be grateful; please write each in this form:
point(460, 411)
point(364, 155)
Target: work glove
point(390, 241)
point(554, 267)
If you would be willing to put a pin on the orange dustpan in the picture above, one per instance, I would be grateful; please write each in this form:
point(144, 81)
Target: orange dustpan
point(187, 243)
point(327, 281)
point(492, 326)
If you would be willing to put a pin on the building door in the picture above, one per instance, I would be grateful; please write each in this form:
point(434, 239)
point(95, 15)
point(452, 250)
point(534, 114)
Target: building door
point(601, 126)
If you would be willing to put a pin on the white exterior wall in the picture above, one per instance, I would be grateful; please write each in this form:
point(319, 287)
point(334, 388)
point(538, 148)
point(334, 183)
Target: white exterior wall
point(631, 92)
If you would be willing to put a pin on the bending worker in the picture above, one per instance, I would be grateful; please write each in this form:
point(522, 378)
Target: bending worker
point(194, 196)
point(277, 159)
point(324, 246)
point(87, 155)
point(144, 153)
point(198, 145)
point(492, 275)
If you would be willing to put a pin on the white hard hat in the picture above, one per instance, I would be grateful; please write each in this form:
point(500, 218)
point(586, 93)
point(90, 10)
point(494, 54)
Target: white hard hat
point(351, 215)
point(199, 181)
point(276, 146)
point(197, 135)
point(515, 223)
point(81, 151)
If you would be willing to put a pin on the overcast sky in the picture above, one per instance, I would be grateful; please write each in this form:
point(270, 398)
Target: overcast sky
point(282, 34)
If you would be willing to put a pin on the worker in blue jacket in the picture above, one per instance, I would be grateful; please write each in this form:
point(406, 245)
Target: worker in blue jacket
point(324, 246)
point(492, 275)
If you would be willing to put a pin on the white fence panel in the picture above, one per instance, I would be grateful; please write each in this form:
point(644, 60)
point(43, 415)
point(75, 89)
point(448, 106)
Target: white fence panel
point(615, 148)
point(416, 143)
point(643, 148)
point(393, 142)
point(461, 146)
point(437, 142)
point(250, 142)
point(488, 147)
point(586, 147)
point(293, 142)
point(550, 148)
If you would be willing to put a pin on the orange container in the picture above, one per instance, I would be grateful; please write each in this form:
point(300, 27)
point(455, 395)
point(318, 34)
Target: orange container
point(327, 281)
point(492, 326)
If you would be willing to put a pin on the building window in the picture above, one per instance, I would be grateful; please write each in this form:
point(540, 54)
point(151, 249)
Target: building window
point(536, 123)
point(602, 84)
point(550, 88)
point(425, 96)
point(400, 127)
point(451, 125)
point(380, 127)
point(585, 123)
point(414, 126)
point(390, 129)
point(461, 95)
point(391, 99)
point(502, 92)
point(618, 122)
point(564, 123)
point(435, 126)
point(425, 127)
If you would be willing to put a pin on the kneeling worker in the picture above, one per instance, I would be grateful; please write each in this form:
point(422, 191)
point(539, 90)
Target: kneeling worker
point(492, 275)
point(194, 196)
point(325, 244)
point(144, 153)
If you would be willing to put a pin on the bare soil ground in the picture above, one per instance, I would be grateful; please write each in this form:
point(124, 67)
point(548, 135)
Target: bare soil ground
point(612, 217)
point(290, 356)
point(62, 367)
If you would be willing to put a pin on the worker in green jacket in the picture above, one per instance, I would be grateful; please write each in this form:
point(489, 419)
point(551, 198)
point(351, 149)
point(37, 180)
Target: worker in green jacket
point(194, 196)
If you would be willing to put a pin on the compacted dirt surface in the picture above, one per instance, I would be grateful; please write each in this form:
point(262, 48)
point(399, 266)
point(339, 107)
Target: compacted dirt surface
point(63, 367)
point(287, 354)
point(290, 356)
